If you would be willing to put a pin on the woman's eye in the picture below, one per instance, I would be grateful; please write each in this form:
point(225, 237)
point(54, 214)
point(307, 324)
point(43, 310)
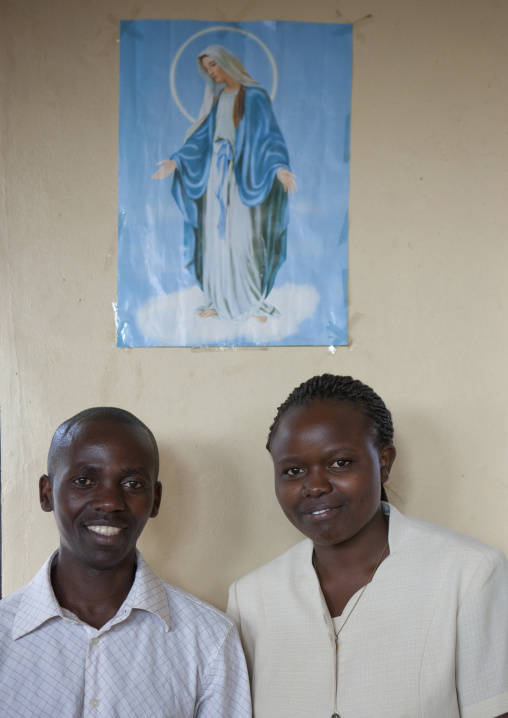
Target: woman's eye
point(340, 463)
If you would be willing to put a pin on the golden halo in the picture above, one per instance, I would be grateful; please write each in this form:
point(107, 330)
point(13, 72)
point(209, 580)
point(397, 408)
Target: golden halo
point(172, 72)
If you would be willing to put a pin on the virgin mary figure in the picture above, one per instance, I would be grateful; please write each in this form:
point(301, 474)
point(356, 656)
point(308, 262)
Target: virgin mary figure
point(231, 182)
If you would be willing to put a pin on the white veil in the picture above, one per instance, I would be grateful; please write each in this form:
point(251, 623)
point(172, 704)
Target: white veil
point(230, 64)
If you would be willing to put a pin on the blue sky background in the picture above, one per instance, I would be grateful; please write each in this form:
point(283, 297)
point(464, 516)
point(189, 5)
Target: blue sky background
point(156, 294)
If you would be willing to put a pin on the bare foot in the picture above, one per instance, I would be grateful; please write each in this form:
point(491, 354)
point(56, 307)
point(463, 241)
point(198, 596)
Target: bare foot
point(261, 319)
point(208, 313)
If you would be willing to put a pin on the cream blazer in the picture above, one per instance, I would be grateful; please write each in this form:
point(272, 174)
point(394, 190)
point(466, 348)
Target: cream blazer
point(429, 638)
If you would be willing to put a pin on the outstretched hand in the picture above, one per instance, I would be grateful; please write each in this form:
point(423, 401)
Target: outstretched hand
point(168, 167)
point(287, 180)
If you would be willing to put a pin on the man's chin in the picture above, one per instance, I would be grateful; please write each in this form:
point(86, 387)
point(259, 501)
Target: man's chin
point(107, 560)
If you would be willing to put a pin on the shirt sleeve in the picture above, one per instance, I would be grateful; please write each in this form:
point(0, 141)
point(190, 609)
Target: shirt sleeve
point(482, 641)
point(226, 692)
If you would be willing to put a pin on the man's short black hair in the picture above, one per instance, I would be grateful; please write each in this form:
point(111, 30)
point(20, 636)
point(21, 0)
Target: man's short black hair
point(98, 413)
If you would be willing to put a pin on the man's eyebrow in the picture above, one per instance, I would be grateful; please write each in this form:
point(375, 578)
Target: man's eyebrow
point(84, 467)
point(91, 468)
point(135, 470)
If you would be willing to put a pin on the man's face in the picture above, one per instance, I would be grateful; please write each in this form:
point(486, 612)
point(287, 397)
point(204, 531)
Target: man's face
point(103, 492)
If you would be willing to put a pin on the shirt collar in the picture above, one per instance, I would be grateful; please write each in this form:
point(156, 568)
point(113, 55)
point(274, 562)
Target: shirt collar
point(38, 603)
point(397, 527)
point(148, 593)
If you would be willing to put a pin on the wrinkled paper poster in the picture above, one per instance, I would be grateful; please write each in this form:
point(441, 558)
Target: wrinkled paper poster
point(233, 183)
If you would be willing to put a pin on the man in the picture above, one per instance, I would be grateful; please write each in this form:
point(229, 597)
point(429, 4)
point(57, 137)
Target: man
point(96, 633)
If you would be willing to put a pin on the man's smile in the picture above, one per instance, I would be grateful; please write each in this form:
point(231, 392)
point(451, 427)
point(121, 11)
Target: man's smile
point(104, 530)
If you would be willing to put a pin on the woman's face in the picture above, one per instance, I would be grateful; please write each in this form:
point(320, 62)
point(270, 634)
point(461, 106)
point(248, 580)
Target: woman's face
point(214, 69)
point(328, 470)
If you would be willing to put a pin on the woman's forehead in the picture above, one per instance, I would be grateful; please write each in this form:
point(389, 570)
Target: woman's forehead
point(333, 409)
point(338, 416)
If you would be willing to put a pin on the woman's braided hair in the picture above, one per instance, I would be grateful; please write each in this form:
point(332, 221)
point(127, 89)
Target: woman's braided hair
point(341, 388)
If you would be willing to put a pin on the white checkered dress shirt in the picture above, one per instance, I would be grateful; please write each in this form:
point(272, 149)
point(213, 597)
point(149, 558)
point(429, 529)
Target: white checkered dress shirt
point(165, 654)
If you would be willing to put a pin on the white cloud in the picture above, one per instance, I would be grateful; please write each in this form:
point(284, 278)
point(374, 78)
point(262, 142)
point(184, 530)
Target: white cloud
point(171, 319)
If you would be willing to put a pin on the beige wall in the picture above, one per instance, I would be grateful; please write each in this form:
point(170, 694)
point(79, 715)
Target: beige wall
point(428, 288)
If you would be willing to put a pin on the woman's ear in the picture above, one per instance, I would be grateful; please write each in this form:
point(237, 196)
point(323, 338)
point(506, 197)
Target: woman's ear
point(386, 459)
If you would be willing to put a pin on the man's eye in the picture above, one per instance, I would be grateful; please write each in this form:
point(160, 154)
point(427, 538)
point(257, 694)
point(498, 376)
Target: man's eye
point(340, 463)
point(293, 471)
point(83, 481)
point(133, 484)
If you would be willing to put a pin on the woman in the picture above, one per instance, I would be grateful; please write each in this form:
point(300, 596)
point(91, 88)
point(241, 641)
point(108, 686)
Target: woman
point(231, 182)
point(374, 615)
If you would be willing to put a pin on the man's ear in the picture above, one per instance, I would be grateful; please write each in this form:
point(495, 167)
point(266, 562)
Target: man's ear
point(386, 459)
point(157, 495)
point(46, 493)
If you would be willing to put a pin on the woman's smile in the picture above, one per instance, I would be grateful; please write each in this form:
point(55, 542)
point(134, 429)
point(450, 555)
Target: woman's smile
point(325, 513)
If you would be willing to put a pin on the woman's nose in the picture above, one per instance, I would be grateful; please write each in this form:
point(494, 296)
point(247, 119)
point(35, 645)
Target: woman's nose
point(317, 483)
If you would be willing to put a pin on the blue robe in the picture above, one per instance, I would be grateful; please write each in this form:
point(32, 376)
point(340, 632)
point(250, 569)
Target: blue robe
point(259, 152)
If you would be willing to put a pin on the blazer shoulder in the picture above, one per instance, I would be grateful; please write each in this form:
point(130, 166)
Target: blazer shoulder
point(278, 567)
point(448, 541)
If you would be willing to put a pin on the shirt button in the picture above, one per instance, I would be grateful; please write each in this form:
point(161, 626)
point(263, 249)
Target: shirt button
point(95, 640)
point(94, 702)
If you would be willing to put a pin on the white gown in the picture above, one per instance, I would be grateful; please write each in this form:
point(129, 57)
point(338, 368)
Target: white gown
point(233, 247)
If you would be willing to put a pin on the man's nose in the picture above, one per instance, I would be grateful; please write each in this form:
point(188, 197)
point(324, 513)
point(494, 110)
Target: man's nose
point(108, 496)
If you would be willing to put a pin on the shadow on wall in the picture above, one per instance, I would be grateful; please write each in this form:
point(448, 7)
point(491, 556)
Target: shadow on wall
point(1, 577)
point(203, 520)
point(398, 488)
point(412, 477)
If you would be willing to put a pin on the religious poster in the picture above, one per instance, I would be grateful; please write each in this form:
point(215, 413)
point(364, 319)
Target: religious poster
point(233, 183)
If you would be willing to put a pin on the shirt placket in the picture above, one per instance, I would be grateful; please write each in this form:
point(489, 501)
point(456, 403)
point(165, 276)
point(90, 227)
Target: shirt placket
point(96, 669)
point(94, 702)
